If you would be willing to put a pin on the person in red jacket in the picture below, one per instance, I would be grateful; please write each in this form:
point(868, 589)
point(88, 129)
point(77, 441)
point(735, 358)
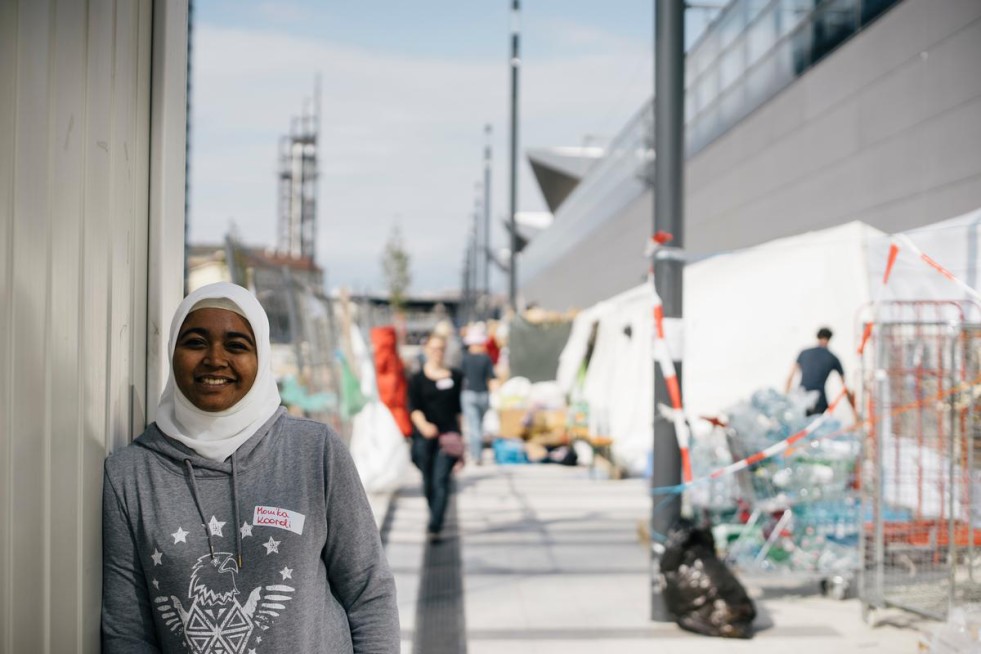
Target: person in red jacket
point(390, 374)
point(493, 349)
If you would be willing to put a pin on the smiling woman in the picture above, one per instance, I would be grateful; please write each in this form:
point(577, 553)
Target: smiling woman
point(257, 569)
point(215, 361)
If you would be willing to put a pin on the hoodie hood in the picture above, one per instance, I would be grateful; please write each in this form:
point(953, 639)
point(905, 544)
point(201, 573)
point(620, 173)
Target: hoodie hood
point(173, 453)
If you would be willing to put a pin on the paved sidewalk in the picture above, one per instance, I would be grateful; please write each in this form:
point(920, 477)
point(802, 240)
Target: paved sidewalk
point(551, 562)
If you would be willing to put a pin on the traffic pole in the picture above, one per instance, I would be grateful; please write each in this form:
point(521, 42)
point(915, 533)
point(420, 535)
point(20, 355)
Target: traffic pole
point(515, 67)
point(668, 265)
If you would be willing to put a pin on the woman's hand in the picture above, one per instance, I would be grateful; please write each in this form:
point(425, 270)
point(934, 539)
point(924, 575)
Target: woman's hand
point(429, 430)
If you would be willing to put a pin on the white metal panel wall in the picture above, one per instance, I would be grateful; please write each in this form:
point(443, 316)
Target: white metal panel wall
point(74, 220)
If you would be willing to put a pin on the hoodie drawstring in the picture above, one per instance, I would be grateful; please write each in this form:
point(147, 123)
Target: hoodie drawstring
point(204, 521)
point(238, 530)
point(197, 503)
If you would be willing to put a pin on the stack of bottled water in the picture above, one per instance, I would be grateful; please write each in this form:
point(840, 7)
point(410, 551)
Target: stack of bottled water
point(803, 502)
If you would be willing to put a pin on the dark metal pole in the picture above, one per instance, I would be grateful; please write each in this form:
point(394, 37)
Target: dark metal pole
point(467, 291)
point(515, 65)
point(487, 218)
point(669, 162)
point(475, 258)
point(187, 146)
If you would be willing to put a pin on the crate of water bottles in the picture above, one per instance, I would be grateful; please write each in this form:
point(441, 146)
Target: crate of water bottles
point(792, 513)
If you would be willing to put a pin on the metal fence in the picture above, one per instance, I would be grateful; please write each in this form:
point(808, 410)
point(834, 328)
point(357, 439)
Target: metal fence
point(921, 545)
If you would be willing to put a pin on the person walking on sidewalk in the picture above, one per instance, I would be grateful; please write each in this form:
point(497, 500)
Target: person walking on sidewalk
point(229, 525)
point(434, 405)
point(478, 375)
point(814, 365)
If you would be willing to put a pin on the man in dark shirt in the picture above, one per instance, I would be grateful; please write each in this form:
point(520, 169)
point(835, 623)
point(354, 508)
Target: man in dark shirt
point(815, 365)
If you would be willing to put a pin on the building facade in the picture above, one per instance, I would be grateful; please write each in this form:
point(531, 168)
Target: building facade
point(800, 115)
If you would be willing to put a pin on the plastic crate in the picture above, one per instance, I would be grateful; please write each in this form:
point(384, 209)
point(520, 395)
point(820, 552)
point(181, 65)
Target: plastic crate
point(509, 451)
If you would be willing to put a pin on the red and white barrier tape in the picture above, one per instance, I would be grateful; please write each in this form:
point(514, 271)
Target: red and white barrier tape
point(757, 457)
point(779, 447)
point(894, 248)
point(662, 354)
point(905, 240)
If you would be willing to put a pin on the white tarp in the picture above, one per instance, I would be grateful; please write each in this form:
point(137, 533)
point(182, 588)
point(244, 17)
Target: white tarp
point(620, 377)
point(747, 315)
point(954, 243)
point(378, 449)
point(575, 348)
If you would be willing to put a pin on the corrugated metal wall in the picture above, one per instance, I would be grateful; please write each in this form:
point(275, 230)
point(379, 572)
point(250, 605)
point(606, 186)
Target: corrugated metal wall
point(74, 217)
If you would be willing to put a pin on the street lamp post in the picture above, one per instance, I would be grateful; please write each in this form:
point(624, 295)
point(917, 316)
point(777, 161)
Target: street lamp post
point(487, 218)
point(515, 65)
point(669, 161)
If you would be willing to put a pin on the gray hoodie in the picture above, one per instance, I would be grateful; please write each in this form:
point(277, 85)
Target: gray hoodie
point(274, 550)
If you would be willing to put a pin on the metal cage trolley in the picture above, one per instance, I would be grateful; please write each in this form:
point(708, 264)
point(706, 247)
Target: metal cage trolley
point(921, 506)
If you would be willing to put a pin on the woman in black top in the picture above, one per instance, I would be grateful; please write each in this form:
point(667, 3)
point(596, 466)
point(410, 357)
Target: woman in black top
point(434, 402)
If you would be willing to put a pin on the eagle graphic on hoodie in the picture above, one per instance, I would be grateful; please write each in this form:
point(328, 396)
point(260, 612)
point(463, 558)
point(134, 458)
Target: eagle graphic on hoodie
point(216, 621)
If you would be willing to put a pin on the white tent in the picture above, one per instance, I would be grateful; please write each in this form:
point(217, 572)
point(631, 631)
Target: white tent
point(748, 313)
point(619, 374)
point(620, 377)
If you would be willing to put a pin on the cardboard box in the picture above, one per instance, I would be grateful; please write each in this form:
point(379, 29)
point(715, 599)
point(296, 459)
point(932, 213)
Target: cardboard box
point(548, 428)
point(512, 422)
point(551, 420)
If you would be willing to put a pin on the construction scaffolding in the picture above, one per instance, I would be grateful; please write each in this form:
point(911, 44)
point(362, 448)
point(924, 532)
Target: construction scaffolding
point(298, 182)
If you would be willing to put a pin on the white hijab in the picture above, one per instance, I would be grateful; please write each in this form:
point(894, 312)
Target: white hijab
point(216, 435)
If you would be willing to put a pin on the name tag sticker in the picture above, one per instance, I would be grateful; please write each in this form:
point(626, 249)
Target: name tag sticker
point(444, 383)
point(271, 516)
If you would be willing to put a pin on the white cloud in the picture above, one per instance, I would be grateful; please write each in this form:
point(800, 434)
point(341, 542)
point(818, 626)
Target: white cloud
point(402, 138)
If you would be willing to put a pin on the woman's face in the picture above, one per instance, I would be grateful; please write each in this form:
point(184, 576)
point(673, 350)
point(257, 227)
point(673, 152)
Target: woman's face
point(215, 359)
point(435, 350)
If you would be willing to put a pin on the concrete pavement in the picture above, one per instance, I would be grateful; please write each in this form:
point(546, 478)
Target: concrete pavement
point(541, 559)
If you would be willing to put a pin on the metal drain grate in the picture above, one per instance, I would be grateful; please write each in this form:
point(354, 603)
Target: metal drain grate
point(440, 622)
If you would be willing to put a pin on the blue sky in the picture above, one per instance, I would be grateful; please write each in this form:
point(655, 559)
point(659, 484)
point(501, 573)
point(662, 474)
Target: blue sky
point(407, 88)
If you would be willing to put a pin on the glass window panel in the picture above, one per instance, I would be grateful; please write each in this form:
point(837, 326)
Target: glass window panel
point(694, 141)
point(694, 65)
point(783, 64)
point(801, 45)
point(731, 106)
point(708, 89)
point(792, 13)
point(872, 8)
point(761, 82)
point(709, 127)
point(761, 37)
point(732, 23)
point(707, 51)
point(832, 24)
point(754, 7)
point(731, 65)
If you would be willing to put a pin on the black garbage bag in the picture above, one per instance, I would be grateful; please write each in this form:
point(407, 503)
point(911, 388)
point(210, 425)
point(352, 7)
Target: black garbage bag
point(699, 590)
